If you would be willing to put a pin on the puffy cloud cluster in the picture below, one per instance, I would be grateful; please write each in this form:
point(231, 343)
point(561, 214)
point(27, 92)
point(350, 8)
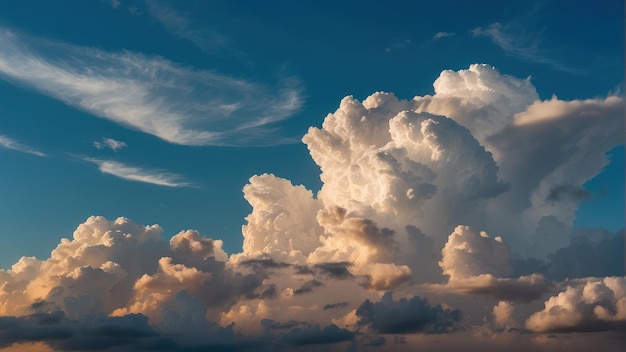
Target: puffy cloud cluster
point(585, 305)
point(119, 267)
point(399, 176)
point(478, 264)
point(468, 254)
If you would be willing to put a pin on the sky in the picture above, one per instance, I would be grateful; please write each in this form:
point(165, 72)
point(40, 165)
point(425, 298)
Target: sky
point(312, 176)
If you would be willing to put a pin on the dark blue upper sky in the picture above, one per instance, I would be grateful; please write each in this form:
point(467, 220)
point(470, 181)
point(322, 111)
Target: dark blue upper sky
point(258, 74)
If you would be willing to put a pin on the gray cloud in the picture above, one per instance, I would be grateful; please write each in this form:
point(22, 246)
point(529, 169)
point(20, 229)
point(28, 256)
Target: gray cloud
point(335, 305)
point(315, 335)
point(307, 287)
point(406, 316)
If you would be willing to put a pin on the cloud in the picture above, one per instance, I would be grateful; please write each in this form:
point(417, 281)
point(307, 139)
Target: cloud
point(592, 304)
point(150, 94)
point(440, 35)
point(406, 316)
point(525, 288)
point(315, 335)
point(317, 269)
point(479, 264)
point(307, 287)
point(111, 143)
point(182, 26)
point(280, 211)
point(382, 161)
point(521, 44)
point(528, 139)
point(133, 173)
point(503, 315)
point(590, 254)
point(12, 144)
point(335, 305)
point(559, 193)
point(479, 98)
point(120, 267)
point(469, 253)
point(101, 333)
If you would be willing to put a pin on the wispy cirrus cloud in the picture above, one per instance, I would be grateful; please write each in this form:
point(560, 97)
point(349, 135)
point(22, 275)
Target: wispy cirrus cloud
point(180, 25)
point(520, 43)
point(151, 94)
point(11, 143)
point(157, 177)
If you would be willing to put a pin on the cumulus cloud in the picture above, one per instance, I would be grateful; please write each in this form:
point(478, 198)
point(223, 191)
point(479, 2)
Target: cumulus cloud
point(398, 177)
point(110, 143)
point(282, 223)
point(150, 94)
point(12, 144)
point(134, 173)
point(540, 147)
point(383, 162)
point(503, 315)
point(476, 263)
point(119, 267)
point(468, 253)
point(592, 304)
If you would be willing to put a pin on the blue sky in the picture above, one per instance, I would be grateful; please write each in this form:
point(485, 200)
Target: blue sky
point(161, 111)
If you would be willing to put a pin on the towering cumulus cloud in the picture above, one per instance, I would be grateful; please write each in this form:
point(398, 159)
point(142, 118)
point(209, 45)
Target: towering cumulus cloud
point(444, 214)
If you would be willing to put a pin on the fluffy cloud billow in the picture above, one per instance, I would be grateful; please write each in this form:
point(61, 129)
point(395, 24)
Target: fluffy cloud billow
point(449, 213)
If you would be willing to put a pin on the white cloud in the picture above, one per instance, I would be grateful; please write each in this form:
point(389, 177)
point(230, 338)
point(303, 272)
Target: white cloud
point(479, 264)
point(183, 26)
point(282, 223)
point(440, 35)
point(111, 143)
point(11, 143)
point(591, 304)
point(503, 315)
point(517, 42)
point(175, 103)
point(398, 176)
point(469, 253)
point(133, 173)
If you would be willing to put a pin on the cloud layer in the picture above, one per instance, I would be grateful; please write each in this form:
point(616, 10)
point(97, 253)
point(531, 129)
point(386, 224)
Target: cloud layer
point(444, 214)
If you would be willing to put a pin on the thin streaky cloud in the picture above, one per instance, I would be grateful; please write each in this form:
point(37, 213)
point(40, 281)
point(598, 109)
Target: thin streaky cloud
point(11, 143)
point(206, 39)
point(520, 44)
point(440, 35)
point(133, 173)
point(110, 143)
point(148, 93)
